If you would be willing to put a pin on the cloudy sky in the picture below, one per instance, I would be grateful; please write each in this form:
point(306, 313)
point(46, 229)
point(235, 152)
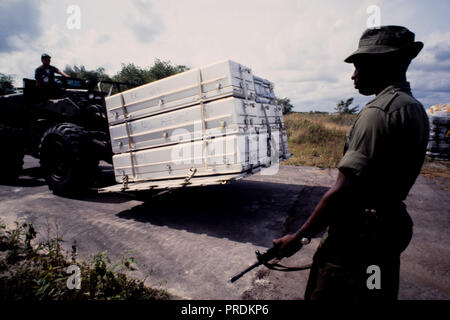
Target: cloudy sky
point(298, 45)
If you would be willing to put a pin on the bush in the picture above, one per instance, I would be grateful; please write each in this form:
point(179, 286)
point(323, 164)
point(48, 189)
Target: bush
point(39, 272)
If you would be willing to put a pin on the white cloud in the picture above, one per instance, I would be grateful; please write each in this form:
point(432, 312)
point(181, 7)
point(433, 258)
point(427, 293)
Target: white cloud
point(430, 71)
point(144, 23)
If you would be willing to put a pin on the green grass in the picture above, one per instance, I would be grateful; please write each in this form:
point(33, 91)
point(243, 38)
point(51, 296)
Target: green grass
point(38, 271)
point(316, 139)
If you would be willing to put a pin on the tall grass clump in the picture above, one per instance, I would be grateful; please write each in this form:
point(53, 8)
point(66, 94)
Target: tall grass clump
point(317, 139)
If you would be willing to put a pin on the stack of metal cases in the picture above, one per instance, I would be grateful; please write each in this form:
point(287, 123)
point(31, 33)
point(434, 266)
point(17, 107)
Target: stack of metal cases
point(210, 124)
point(439, 139)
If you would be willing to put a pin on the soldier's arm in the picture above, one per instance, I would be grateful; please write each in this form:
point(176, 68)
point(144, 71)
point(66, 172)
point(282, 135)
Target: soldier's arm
point(369, 134)
point(319, 219)
point(62, 73)
point(368, 140)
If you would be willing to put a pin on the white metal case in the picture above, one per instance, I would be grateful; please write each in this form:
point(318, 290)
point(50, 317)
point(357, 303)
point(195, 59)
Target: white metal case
point(216, 121)
point(212, 82)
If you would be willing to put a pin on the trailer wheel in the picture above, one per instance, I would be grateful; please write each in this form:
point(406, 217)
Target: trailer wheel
point(11, 159)
point(66, 159)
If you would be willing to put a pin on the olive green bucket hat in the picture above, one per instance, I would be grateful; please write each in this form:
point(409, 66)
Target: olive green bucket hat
point(387, 39)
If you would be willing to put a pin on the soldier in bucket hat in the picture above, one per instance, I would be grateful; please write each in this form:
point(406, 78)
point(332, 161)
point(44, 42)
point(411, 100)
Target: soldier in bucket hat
point(387, 39)
point(367, 223)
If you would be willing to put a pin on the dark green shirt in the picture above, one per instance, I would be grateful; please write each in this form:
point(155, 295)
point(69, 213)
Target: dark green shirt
point(45, 76)
point(385, 148)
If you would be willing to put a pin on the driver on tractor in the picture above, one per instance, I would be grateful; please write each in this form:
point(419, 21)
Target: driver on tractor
point(45, 74)
point(45, 77)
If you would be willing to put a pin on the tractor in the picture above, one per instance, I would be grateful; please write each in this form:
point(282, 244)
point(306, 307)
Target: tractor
point(64, 126)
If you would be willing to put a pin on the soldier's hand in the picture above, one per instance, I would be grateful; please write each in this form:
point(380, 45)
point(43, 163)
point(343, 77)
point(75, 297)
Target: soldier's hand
point(287, 245)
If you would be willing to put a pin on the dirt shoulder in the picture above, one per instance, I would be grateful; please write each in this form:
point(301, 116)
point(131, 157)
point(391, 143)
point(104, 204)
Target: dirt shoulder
point(439, 171)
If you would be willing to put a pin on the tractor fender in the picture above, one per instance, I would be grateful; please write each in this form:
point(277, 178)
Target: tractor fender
point(65, 107)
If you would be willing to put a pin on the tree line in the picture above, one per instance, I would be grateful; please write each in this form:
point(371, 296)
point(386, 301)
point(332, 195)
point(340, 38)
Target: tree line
point(342, 107)
point(129, 73)
point(136, 75)
point(6, 84)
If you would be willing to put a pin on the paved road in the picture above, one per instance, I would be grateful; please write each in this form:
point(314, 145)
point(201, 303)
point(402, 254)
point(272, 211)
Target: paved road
point(194, 241)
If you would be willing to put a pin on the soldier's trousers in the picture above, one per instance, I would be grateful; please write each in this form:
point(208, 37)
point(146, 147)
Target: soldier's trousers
point(332, 282)
point(356, 267)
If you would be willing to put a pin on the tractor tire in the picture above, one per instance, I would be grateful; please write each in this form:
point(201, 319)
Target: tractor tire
point(11, 160)
point(66, 159)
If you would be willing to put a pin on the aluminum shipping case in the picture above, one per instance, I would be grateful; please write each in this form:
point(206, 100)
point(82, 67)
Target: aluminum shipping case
point(204, 126)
